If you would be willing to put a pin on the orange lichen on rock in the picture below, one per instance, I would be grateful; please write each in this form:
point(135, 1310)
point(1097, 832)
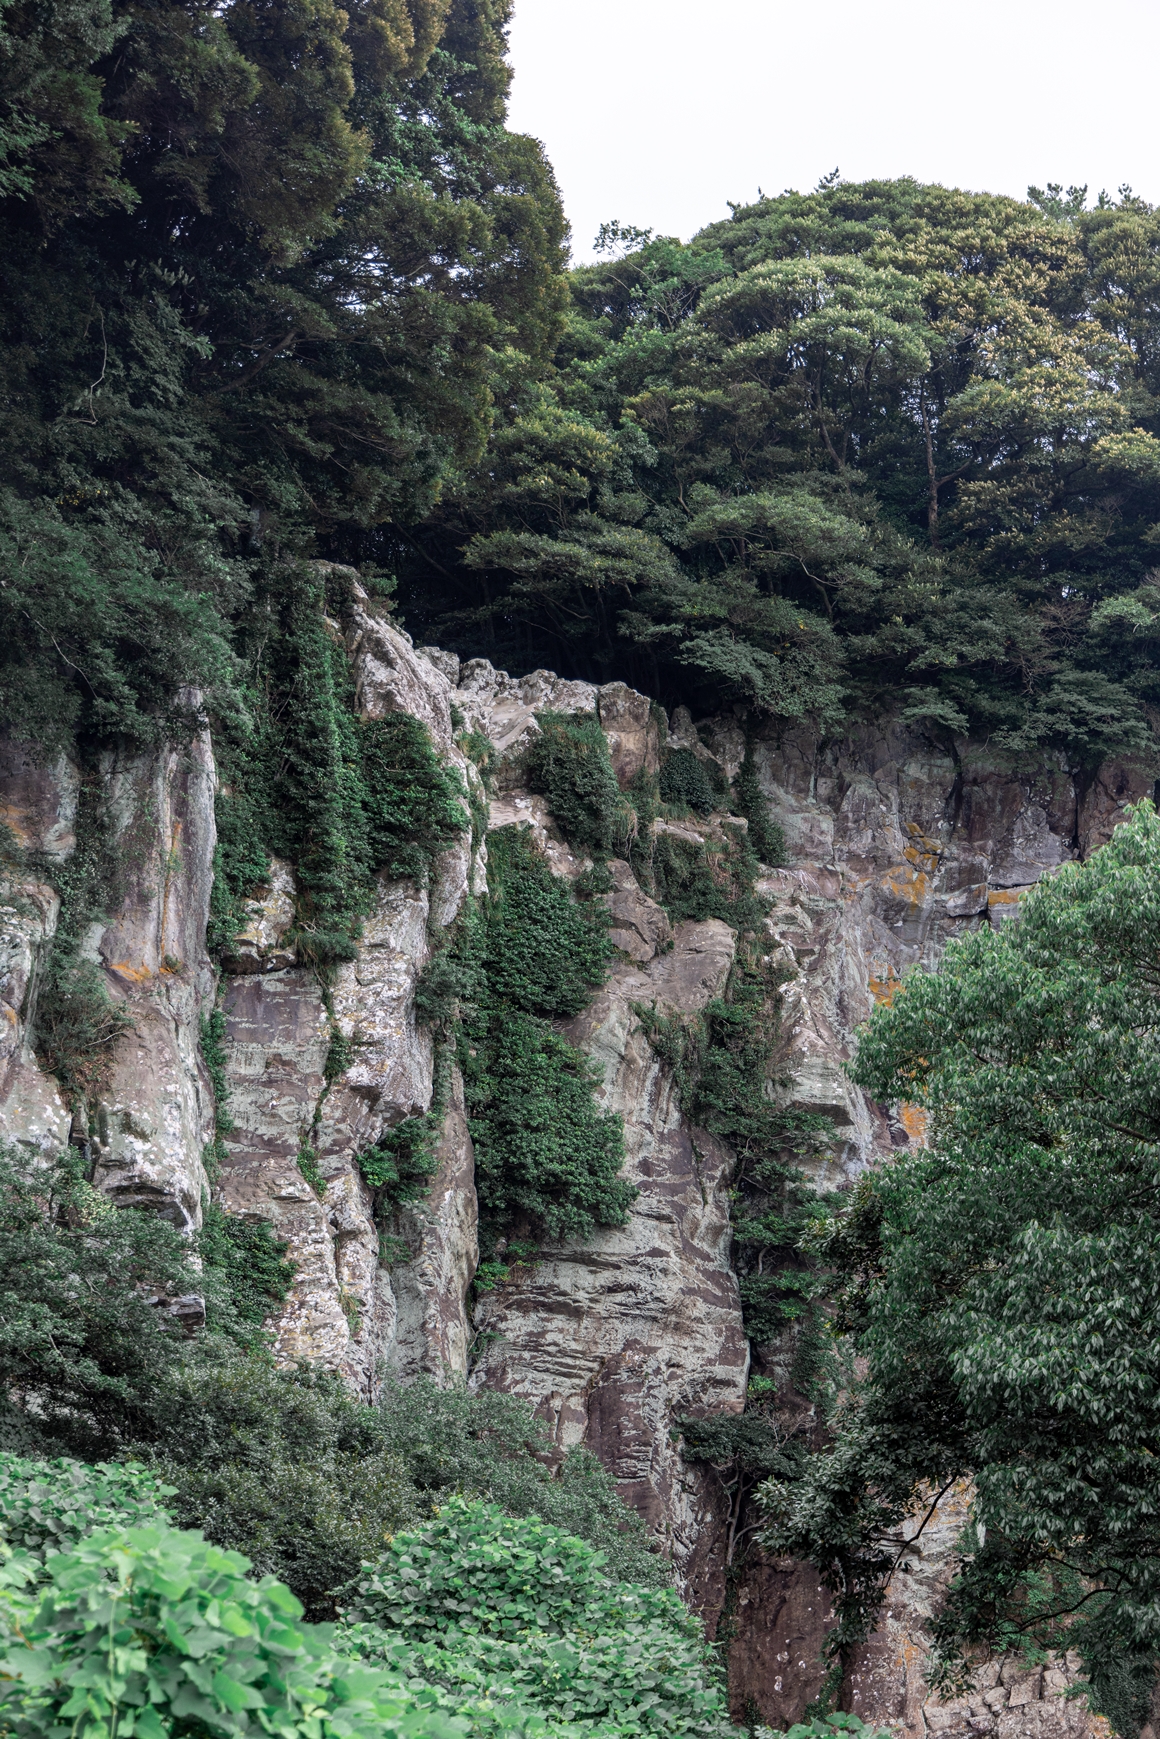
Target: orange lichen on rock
point(914, 1120)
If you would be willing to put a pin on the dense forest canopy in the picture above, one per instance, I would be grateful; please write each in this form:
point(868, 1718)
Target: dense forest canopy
point(277, 282)
point(877, 440)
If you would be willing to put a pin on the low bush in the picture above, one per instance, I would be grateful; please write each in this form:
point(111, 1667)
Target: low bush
point(48, 1506)
point(491, 1445)
point(309, 1482)
point(286, 1466)
point(508, 1610)
point(149, 1632)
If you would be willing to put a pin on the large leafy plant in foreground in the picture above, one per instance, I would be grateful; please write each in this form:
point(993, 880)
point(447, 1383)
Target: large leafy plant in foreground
point(1004, 1285)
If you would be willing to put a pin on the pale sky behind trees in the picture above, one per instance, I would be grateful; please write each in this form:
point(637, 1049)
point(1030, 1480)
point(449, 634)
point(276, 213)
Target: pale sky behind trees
point(656, 112)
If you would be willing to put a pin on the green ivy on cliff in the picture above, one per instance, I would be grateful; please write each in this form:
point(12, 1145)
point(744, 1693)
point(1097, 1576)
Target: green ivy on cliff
point(723, 1063)
point(342, 798)
point(569, 762)
point(547, 1158)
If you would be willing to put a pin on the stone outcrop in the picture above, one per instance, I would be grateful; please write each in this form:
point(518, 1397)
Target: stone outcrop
point(155, 1115)
point(1010, 1698)
point(357, 1305)
point(616, 1339)
point(896, 844)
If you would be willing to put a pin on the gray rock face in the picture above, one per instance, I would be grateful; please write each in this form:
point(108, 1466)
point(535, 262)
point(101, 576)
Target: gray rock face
point(156, 1111)
point(357, 1305)
point(615, 1339)
point(159, 1105)
point(895, 845)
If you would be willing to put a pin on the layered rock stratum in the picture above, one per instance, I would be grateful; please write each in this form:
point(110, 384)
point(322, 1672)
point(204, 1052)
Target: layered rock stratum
point(895, 845)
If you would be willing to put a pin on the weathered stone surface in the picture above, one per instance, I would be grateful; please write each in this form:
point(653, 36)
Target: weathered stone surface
point(779, 1624)
point(158, 1106)
point(32, 1112)
point(390, 676)
point(276, 1041)
point(614, 1340)
point(520, 809)
point(38, 800)
point(886, 1681)
point(259, 945)
point(505, 708)
point(156, 1112)
point(432, 1334)
point(638, 927)
point(346, 1308)
point(629, 722)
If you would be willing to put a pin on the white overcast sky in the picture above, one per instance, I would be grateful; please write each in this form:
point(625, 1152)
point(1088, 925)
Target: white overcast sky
point(657, 112)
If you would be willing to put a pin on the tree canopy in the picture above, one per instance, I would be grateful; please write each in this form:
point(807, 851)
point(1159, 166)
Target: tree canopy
point(881, 440)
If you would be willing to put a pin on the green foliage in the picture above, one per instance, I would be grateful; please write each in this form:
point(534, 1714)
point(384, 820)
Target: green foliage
point(500, 1608)
point(884, 445)
point(544, 952)
point(270, 338)
point(49, 1506)
point(766, 838)
point(491, 1445)
point(707, 880)
point(544, 1151)
point(413, 804)
point(1001, 1279)
point(249, 1260)
point(286, 1466)
point(292, 1469)
point(147, 1631)
point(685, 783)
point(547, 1158)
point(85, 1339)
point(569, 762)
point(344, 799)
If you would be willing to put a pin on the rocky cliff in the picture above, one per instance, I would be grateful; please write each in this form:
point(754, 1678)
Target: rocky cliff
point(894, 844)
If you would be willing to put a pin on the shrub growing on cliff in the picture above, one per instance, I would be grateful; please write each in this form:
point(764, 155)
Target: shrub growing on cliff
point(569, 762)
point(544, 952)
point(547, 1157)
point(250, 1263)
point(341, 797)
point(685, 782)
point(1003, 1284)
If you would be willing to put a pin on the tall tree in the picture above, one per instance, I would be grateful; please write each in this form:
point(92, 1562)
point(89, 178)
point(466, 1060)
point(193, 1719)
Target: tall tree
point(1002, 1286)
